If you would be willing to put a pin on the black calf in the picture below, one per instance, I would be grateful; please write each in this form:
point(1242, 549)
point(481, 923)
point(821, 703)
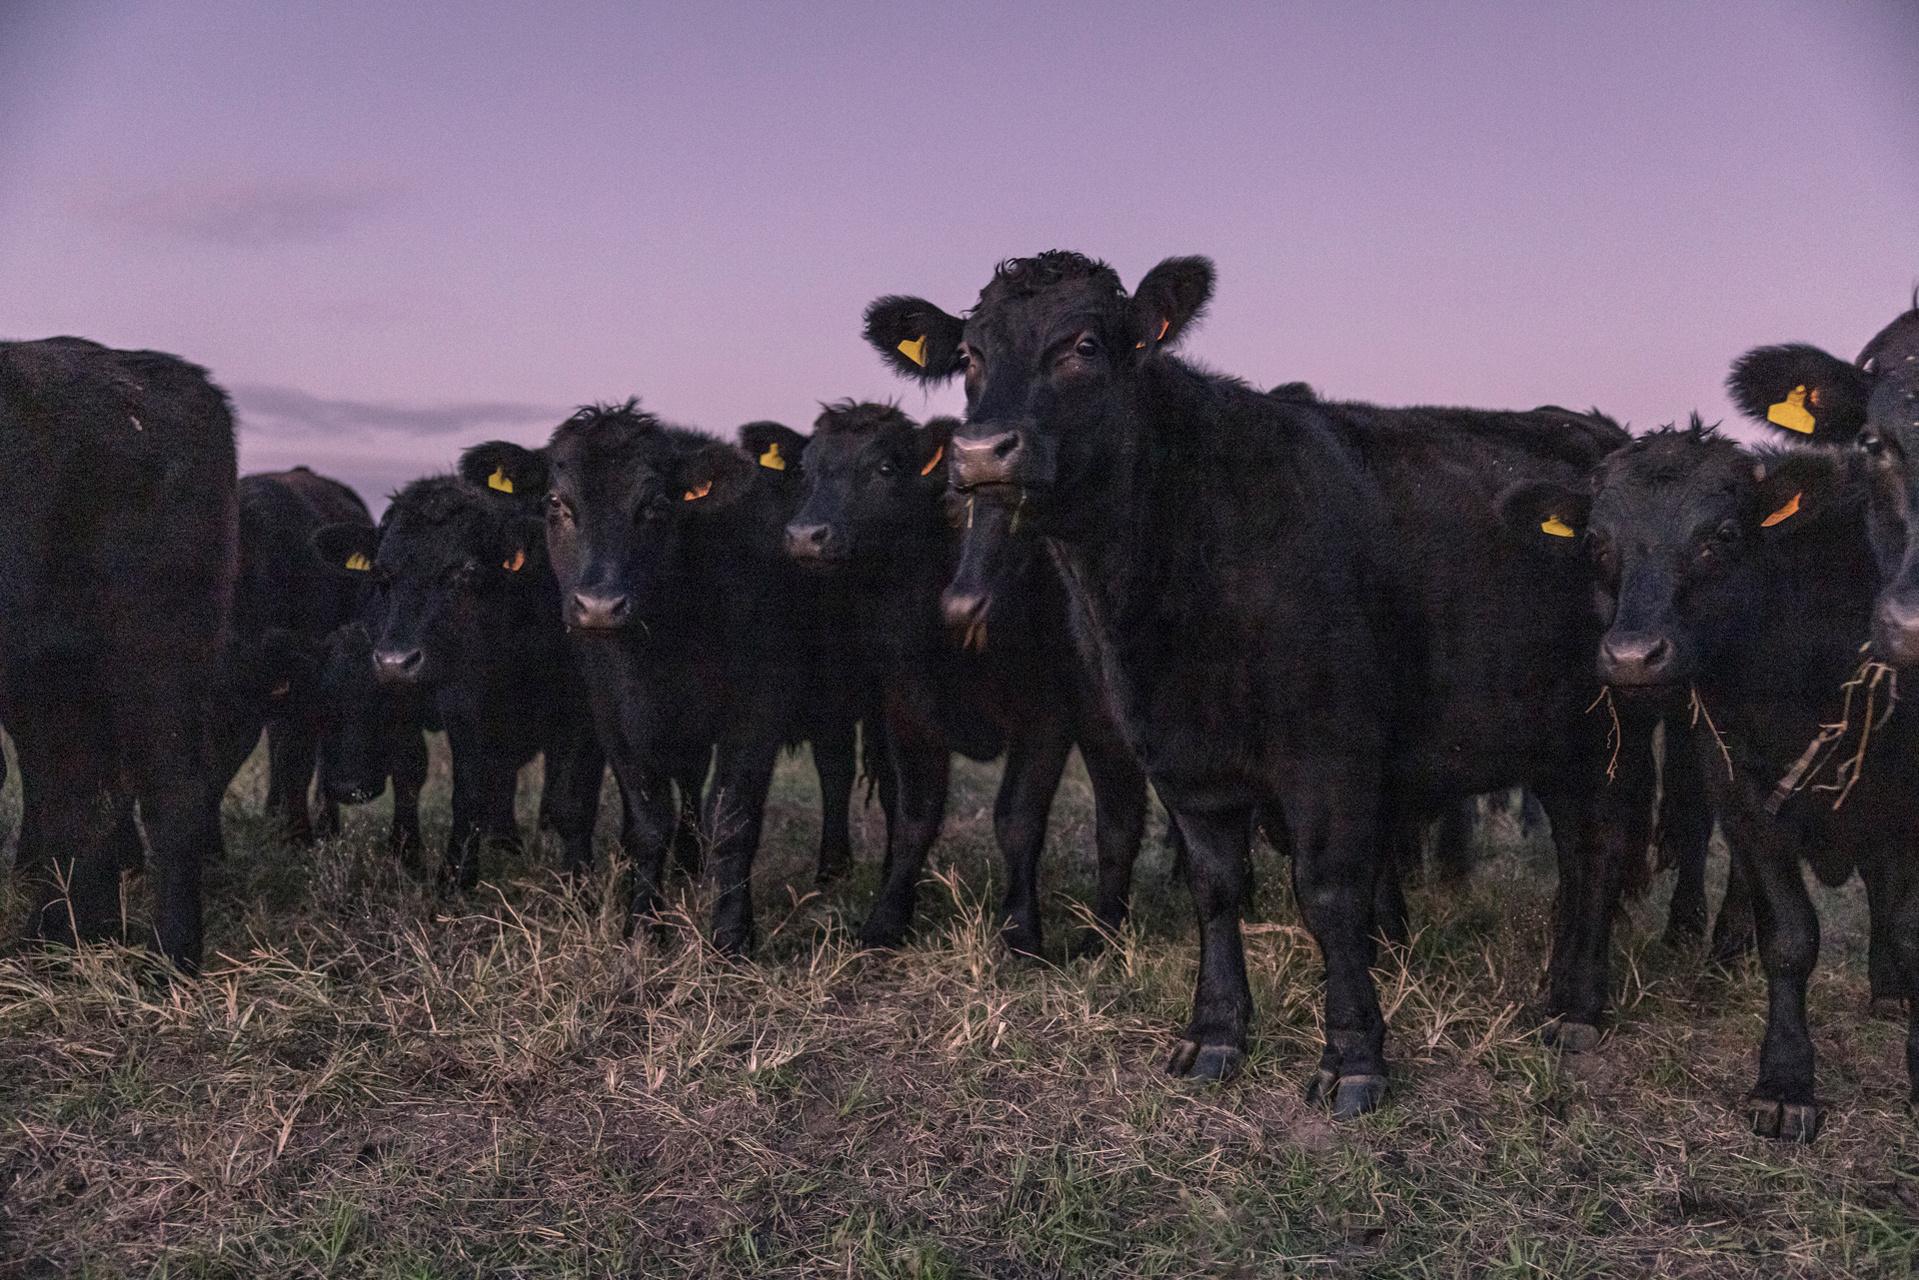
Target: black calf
point(1004, 678)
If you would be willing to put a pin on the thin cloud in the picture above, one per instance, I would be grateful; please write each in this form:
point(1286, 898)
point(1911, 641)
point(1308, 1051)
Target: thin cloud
point(243, 213)
point(288, 411)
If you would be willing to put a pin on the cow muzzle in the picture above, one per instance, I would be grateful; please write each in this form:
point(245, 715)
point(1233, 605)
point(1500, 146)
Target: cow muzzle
point(1637, 659)
point(994, 459)
point(398, 666)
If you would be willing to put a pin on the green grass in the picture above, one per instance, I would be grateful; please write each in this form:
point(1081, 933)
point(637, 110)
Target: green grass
point(371, 1081)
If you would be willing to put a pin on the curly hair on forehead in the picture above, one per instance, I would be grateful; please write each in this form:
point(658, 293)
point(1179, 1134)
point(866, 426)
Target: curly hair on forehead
point(858, 417)
point(1671, 453)
point(1023, 277)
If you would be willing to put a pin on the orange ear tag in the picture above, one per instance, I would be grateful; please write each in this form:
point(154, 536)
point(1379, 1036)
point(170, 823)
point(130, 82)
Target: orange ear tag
point(1164, 325)
point(1556, 527)
point(933, 461)
point(694, 495)
point(499, 481)
point(517, 563)
point(1791, 414)
point(358, 563)
point(1784, 513)
point(914, 349)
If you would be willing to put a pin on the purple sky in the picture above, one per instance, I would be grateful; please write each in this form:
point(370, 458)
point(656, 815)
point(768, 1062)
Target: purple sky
point(391, 230)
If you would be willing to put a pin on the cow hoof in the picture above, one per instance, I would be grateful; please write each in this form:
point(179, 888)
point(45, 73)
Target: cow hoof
point(1887, 1008)
point(1572, 1037)
point(1021, 942)
point(882, 935)
point(1784, 1121)
point(1216, 1062)
point(1345, 1096)
point(733, 940)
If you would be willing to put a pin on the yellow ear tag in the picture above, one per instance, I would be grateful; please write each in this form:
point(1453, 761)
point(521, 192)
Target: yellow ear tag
point(517, 563)
point(1556, 527)
point(1791, 414)
point(694, 495)
point(1784, 513)
point(933, 461)
point(358, 562)
point(915, 350)
point(499, 481)
point(771, 459)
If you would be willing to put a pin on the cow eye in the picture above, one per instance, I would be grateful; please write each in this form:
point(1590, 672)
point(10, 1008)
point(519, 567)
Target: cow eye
point(1727, 532)
point(963, 360)
point(1087, 347)
point(1872, 444)
point(887, 467)
point(556, 508)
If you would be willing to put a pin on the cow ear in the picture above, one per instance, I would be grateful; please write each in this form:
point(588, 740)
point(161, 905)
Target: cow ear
point(1800, 389)
point(1790, 487)
point(713, 477)
point(1546, 514)
point(1169, 298)
point(505, 467)
point(932, 441)
point(773, 445)
point(346, 548)
point(914, 337)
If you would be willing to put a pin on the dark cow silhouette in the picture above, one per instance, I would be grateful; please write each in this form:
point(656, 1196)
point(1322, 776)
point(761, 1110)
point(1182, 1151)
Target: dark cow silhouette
point(119, 526)
point(1872, 404)
point(1274, 634)
point(696, 636)
point(462, 608)
point(875, 517)
point(285, 605)
point(1747, 580)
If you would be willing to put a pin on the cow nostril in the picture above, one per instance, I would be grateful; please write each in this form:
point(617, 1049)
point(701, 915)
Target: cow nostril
point(1656, 654)
point(1003, 447)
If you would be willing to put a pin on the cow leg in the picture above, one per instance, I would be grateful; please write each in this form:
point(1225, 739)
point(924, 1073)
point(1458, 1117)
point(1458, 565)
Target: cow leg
point(170, 761)
point(68, 873)
point(570, 801)
point(1213, 1046)
point(1685, 836)
point(484, 782)
point(1882, 951)
point(1453, 842)
point(835, 760)
point(292, 750)
point(1119, 826)
point(735, 809)
point(406, 757)
point(919, 763)
point(1781, 1104)
point(646, 832)
point(1333, 814)
point(1904, 944)
point(1732, 930)
point(1033, 766)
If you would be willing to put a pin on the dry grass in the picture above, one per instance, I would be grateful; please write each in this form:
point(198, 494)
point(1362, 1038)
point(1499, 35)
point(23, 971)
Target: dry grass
point(372, 1082)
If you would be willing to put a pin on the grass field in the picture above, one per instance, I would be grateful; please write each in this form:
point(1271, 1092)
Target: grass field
point(372, 1082)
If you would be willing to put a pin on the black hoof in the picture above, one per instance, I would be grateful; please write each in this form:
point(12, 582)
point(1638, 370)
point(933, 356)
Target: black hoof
point(832, 870)
point(1193, 1061)
point(882, 935)
point(1785, 1121)
point(1571, 1037)
point(1021, 942)
point(1345, 1096)
point(733, 940)
point(1887, 1008)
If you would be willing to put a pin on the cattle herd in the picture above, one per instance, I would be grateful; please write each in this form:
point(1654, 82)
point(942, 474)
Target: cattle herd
point(1322, 621)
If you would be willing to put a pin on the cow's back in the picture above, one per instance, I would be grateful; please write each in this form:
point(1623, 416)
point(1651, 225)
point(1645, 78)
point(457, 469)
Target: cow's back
point(282, 582)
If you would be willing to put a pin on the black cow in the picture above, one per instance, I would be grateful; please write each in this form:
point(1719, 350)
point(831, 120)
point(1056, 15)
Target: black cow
point(875, 516)
point(370, 732)
point(1272, 633)
point(285, 605)
point(462, 607)
point(1748, 580)
point(120, 529)
point(696, 636)
point(1871, 403)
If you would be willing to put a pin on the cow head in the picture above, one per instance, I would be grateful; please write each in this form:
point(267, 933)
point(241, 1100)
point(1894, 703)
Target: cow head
point(1870, 404)
point(1676, 530)
point(438, 572)
point(872, 487)
point(623, 495)
point(1052, 356)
